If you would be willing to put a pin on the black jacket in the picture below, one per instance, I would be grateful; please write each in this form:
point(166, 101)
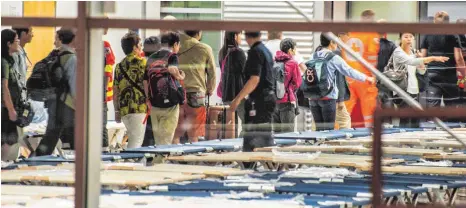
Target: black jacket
point(233, 79)
point(385, 52)
point(342, 84)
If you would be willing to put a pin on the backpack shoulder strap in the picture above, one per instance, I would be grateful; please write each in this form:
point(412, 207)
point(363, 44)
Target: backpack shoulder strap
point(129, 79)
point(329, 56)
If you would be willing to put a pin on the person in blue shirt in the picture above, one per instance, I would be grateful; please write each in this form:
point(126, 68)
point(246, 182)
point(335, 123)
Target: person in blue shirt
point(324, 109)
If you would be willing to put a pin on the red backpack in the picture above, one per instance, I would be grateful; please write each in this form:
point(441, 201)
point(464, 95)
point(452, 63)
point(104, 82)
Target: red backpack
point(164, 90)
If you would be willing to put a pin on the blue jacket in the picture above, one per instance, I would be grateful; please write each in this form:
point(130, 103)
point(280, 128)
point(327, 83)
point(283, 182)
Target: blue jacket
point(337, 64)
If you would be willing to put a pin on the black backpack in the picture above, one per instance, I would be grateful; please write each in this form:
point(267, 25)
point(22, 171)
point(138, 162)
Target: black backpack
point(47, 76)
point(164, 90)
point(279, 75)
point(316, 81)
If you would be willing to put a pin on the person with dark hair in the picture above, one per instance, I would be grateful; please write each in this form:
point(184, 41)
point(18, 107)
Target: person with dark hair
point(151, 45)
point(61, 109)
point(129, 97)
point(260, 87)
point(283, 118)
point(164, 119)
point(25, 36)
point(406, 59)
point(324, 109)
point(231, 59)
point(10, 90)
point(444, 76)
point(197, 61)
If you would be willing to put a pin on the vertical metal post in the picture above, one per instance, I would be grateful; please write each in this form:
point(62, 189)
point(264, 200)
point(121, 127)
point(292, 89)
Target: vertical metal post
point(80, 133)
point(377, 162)
point(88, 120)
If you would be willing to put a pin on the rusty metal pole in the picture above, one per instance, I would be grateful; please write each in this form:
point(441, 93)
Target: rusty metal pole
point(81, 108)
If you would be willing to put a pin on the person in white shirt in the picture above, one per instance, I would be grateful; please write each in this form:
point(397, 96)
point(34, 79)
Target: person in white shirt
point(404, 57)
point(273, 44)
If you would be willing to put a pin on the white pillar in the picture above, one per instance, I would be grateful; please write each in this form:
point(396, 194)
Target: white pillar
point(95, 109)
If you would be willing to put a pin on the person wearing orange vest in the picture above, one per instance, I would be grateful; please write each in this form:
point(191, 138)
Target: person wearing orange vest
point(366, 44)
point(109, 63)
point(109, 58)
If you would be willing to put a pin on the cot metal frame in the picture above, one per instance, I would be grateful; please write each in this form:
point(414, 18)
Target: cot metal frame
point(87, 178)
point(435, 196)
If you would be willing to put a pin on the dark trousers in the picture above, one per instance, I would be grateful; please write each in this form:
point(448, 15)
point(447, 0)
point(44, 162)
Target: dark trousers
point(452, 96)
point(324, 113)
point(407, 122)
point(258, 127)
point(104, 127)
point(283, 118)
point(9, 129)
point(59, 126)
point(148, 135)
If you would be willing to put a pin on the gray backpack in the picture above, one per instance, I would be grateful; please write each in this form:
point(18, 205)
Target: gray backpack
point(279, 72)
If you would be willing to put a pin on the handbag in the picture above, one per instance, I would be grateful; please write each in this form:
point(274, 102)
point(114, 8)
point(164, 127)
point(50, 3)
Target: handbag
point(195, 99)
point(399, 75)
point(23, 108)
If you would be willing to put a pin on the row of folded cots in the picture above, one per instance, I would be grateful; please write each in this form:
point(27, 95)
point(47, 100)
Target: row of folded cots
point(287, 175)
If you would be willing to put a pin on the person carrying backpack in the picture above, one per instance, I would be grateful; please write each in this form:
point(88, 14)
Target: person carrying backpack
point(261, 88)
point(128, 92)
point(319, 83)
point(60, 66)
point(286, 111)
point(163, 90)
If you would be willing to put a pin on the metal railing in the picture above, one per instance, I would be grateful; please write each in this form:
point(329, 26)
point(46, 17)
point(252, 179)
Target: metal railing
point(83, 23)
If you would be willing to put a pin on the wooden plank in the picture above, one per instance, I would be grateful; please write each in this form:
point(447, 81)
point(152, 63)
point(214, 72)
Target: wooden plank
point(457, 157)
point(108, 177)
point(421, 170)
point(37, 191)
point(351, 149)
point(192, 169)
point(338, 160)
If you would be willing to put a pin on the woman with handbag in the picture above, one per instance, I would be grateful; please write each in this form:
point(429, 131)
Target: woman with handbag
point(408, 68)
point(232, 60)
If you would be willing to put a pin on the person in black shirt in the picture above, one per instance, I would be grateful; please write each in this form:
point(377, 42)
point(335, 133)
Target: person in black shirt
point(443, 76)
point(232, 60)
point(260, 105)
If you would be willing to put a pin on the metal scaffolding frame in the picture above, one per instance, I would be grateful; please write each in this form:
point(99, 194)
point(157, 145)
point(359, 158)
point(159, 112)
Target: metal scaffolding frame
point(89, 30)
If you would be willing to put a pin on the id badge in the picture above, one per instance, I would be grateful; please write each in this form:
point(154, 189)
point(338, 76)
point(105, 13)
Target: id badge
point(252, 113)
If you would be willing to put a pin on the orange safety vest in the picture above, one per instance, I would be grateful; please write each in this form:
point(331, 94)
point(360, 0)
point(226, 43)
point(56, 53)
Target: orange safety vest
point(367, 45)
point(110, 61)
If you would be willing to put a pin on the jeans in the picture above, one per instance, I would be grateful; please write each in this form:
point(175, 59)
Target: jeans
point(258, 127)
point(59, 126)
point(324, 113)
point(283, 118)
